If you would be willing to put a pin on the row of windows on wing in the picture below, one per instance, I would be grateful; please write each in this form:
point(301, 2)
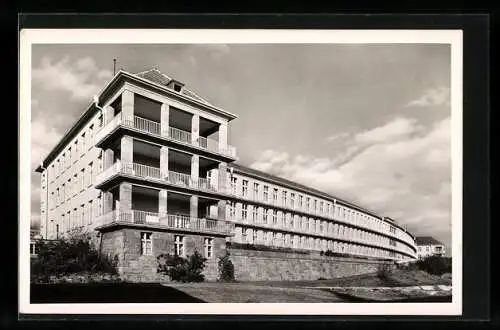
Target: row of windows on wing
point(79, 216)
point(77, 183)
point(310, 205)
point(179, 245)
point(297, 241)
point(287, 221)
point(76, 149)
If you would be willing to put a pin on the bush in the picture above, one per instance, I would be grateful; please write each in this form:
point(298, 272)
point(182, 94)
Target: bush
point(226, 269)
point(434, 265)
point(259, 247)
point(70, 256)
point(182, 269)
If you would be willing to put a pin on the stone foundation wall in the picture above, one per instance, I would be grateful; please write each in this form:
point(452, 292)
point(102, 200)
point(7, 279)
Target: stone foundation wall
point(252, 265)
point(135, 267)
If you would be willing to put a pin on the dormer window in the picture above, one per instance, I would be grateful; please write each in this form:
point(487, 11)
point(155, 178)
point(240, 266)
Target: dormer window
point(175, 85)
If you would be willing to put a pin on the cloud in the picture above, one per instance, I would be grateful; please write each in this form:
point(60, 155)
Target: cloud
point(80, 78)
point(336, 137)
point(432, 97)
point(399, 169)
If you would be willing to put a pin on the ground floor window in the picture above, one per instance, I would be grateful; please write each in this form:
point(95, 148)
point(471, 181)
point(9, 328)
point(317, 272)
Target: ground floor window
point(209, 243)
point(179, 245)
point(146, 244)
point(33, 248)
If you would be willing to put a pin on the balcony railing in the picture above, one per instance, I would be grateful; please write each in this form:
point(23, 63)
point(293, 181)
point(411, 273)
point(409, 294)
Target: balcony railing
point(154, 173)
point(171, 221)
point(154, 128)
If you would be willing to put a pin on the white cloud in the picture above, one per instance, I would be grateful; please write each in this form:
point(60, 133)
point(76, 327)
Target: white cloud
point(432, 97)
point(80, 78)
point(336, 137)
point(398, 169)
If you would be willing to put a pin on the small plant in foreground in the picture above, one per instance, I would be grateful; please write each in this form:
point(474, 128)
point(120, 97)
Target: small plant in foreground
point(226, 269)
point(182, 269)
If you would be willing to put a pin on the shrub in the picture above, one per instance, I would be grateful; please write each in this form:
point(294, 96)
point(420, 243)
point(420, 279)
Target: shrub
point(383, 272)
point(434, 265)
point(226, 269)
point(182, 269)
point(75, 254)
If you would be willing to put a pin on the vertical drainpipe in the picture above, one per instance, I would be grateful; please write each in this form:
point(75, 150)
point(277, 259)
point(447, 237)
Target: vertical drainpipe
point(46, 201)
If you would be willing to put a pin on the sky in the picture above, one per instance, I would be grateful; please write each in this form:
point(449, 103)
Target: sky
point(366, 123)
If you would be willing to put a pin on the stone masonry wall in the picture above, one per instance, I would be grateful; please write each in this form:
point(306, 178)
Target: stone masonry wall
point(252, 265)
point(134, 267)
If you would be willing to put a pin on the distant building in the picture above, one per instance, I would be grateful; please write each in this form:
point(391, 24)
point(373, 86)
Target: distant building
point(429, 246)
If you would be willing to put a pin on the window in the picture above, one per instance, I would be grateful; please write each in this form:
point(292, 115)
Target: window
point(275, 195)
point(308, 201)
point(315, 205)
point(58, 197)
point(254, 214)
point(244, 212)
point(99, 120)
point(427, 248)
point(90, 136)
point(82, 215)
point(75, 156)
point(83, 149)
point(275, 217)
point(232, 209)
point(90, 212)
point(33, 248)
point(243, 235)
point(284, 197)
point(82, 179)
point(177, 87)
point(254, 236)
point(244, 188)
point(255, 190)
point(301, 200)
point(233, 185)
point(146, 244)
point(321, 207)
point(292, 200)
point(208, 243)
point(393, 229)
point(264, 215)
point(91, 174)
point(266, 193)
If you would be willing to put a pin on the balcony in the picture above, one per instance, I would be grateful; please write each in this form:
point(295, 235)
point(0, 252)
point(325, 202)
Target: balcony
point(154, 128)
point(150, 173)
point(166, 221)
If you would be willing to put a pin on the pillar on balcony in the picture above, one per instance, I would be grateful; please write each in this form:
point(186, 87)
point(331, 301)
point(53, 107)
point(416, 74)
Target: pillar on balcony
point(107, 201)
point(223, 137)
point(221, 210)
point(128, 107)
point(108, 114)
point(193, 206)
point(127, 151)
point(125, 208)
point(109, 158)
point(164, 119)
point(164, 162)
point(162, 203)
point(195, 169)
point(195, 129)
point(222, 184)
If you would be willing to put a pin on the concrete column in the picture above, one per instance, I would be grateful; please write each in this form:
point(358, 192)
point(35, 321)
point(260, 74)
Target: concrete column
point(223, 137)
point(221, 210)
point(238, 211)
point(195, 169)
point(127, 150)
point(125, 205)
point(164, 119)
point(108, 114)
point(108, 160)
point(222, 184)
point(193, 206)
point(128, 107)
point(164, 162)
point(195, 129)
point(162, 203)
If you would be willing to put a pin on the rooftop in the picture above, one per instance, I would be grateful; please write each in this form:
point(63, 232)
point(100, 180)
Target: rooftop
point(427, 240)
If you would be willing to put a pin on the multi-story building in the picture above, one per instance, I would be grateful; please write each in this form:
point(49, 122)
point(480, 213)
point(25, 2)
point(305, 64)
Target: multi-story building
point(429, 246)
point(148, 167)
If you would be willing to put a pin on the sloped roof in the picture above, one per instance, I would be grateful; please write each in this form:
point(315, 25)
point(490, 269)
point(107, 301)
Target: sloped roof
point(427, 240)
point(156, 76)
